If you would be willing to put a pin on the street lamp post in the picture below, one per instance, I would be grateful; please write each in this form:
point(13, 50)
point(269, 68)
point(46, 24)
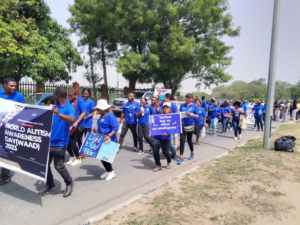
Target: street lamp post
point(118, 84)
point(272, 74)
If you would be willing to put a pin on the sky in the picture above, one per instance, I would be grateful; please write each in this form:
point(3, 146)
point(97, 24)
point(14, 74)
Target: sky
point(251, 52)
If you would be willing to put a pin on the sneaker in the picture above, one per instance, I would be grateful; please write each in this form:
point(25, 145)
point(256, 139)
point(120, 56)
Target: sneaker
point(111, 176)
point(230, 129)
point(191, 157)
point(180, 161)
point(71, 160)
point(173, 155)
point(135, 149)
point(169, 165)
point(235, 138)
point(240, 136)
point(4, 179)
point(140, 152)
point(150, 151)
point(76, 162)
point(104, 175)
point(156, 169)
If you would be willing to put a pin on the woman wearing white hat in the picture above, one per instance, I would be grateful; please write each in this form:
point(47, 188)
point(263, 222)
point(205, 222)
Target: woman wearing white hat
point(108, 126)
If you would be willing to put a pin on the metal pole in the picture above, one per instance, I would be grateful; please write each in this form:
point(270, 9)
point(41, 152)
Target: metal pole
point(118, 84)
point(272, 74)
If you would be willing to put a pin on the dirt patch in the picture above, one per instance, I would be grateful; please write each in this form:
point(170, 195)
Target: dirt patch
point(250, 185)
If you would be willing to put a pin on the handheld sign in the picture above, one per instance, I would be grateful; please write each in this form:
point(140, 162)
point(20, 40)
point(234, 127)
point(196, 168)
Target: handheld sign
point(165, 123)
point(162, 92)
point(95, 147)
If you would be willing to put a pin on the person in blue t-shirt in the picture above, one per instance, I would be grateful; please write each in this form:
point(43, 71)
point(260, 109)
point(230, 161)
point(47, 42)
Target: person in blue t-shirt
point(162, 141)
point(129, 113)
point(237, 117)
point(200, 122)
point(64, 114)
point(210, 105)
point(191, 110)
point(9, 93)
point(204, 104)
point(143, 114)
point(259, 111)
point(77, 128)
point(107, 127)
point(225, 115)
point(90, 105)
point(243, 107)
point(215, 112)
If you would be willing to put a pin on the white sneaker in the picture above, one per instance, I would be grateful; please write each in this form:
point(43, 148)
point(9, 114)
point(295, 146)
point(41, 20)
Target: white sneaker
point(235, 138)
point(76, 162)
point(71, 160)
point(104, 175)
point(111, 176)
point(240, 136)
point(135, 149)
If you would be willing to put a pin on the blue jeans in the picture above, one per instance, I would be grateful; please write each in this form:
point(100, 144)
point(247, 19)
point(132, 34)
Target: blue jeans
point(224, 124)
point(259, 121)
point(236, 128)
point(172, 148)
point(208, 119)
point(214, 122)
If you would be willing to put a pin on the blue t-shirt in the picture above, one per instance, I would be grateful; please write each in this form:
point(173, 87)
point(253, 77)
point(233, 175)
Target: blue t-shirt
point(215, 111)
point(204, 104)
point(15, 97)
point(210, 106)
point(236, 114)
point(153, 111)
point(144, 119)
point(60, 129)
point(174, 107)
point(192, 108)
point(243, 108)
point(259, 111)
point(225, 110)
point(90, 105)
point(129, 109)
point(107, 124)
point(80, 108)
point(202, 114)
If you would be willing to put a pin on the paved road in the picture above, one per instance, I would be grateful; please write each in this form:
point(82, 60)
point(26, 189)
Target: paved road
point(21, 205)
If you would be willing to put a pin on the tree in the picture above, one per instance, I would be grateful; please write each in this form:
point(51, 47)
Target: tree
point(282, 90)
point(169, 41)
point(295, 91)
point(33, 44)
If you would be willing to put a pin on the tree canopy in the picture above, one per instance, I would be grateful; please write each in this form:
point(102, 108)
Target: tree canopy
point(33, 44)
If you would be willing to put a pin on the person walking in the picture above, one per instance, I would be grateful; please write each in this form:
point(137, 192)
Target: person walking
point(215, 112)
point(188, 123)
point(237, 118)
point(225, 115)
point(253, 110)
point(204, 104)
point(90, 105)
point(277, 109)
point(9, 93)
point(200, 122)
point(294, 109)
point(259, 113)
point(129, 113)
point(64, 116)
point(244, 107)
point(209, 107)
point(143, 124)
point(285, 110)
point(175, 137)
point(107, 128)
point(77, 129)
point(162, 141)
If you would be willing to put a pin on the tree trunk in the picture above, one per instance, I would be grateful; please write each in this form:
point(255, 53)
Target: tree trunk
point(132, 83)
point(103, 58)
point(92, 73)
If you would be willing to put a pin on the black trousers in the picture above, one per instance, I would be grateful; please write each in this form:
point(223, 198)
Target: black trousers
point(143, 132)
point(107, 166)
point(57, 154)
point(125, 128)
point(259, 121)
point(86, 130)
point(73, 149)
point(189, 137)
point(165, 146)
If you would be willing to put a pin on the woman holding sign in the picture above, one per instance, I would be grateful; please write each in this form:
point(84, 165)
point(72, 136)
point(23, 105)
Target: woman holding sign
point(108, 126)
point(143, 124)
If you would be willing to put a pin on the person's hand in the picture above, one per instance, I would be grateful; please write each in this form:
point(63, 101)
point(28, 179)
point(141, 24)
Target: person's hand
point(204, 125)
point(106, 139)
point(94, 130)
point(75, 125)
point(141, 112)
point(120, 122)
point(190, 114)
point(55, 110)
point(164, 134)
point(158, 95)
point(85, 117)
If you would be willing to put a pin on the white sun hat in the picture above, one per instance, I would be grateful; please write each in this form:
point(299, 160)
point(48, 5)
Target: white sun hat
point(102, 104)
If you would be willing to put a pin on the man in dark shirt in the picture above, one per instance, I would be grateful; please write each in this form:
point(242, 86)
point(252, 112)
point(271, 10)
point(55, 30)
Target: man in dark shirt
point(9, 93)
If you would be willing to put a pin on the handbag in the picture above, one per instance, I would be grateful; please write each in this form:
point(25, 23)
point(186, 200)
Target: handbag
point(225, 115)
point(189, 129)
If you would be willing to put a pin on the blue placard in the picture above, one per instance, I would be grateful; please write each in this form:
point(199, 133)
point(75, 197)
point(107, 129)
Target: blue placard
point(165, 123)
point(108, 151)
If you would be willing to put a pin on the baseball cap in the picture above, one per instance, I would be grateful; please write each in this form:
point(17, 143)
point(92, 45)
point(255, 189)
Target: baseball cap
point(189, 96)
point(167, 104)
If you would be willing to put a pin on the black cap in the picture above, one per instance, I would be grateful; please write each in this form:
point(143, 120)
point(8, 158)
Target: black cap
point(189, 96)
